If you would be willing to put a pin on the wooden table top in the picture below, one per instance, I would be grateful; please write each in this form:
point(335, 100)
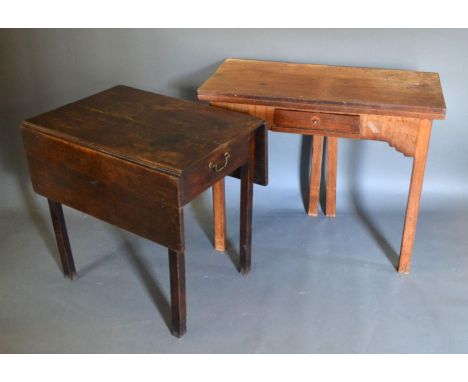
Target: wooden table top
point(157, 131)
point(327, 88)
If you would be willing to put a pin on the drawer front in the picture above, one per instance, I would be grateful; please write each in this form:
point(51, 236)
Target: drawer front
point(306, 122)
point(216, 166)
point(261, 137)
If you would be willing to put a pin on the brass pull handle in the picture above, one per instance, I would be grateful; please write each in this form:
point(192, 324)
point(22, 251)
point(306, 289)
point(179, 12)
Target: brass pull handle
point(315, 120)
point(214, 166)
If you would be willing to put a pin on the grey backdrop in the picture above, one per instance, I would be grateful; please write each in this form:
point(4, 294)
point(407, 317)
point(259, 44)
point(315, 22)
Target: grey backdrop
point(43, 69)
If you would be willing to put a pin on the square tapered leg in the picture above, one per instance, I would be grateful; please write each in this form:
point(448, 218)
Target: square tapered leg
point(178, 304)
point(219, 215)
point(332, 162)
point(414, 196)
point(246, 201)
point(61, 235)
point(315, 174)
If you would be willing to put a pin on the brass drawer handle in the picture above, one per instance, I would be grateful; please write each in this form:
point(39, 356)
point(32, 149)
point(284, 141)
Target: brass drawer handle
point(315, 120)
point(214, 166)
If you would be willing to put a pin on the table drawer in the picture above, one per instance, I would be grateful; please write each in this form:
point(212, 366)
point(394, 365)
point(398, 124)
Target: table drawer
point(306, 121)
point(214, 167)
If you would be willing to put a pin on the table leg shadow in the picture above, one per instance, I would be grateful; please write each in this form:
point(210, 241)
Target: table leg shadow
point(355, 166)
point(142, 271)
point(304, 169)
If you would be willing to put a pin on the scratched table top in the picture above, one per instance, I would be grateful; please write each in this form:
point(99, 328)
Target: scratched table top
point(157, 131)
point(343, 89)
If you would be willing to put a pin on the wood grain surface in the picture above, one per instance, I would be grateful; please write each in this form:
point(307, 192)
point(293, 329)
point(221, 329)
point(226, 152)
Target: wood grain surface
point(130, 196)
point(156, 131)
point(325, 88)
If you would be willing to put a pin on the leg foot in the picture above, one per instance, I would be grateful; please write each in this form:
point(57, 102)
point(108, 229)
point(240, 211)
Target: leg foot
point(178, 306)
point(61, 235)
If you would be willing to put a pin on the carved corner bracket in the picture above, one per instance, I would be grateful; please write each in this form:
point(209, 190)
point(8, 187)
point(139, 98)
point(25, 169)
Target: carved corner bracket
point(401, 133)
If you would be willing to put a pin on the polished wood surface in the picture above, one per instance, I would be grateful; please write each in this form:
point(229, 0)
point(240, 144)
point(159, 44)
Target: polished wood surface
point(326, 88)
point(393, 106)
point(153, 130)
point(134, 159)
point(120, 192)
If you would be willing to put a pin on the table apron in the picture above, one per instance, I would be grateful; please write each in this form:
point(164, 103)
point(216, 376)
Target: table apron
point(401, 133)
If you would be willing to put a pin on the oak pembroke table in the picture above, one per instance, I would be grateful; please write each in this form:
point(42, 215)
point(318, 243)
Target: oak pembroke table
point(395, 106)
point(134, 159)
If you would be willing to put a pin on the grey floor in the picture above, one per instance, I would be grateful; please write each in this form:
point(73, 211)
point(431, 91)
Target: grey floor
point(317, 285)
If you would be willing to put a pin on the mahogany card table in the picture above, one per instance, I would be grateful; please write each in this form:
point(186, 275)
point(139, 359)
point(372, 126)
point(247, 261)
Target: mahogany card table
point(331, 102)
point(133, 159)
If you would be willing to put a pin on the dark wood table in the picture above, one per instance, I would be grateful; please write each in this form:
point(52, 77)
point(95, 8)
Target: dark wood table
point(133, 159)
point(394, 106)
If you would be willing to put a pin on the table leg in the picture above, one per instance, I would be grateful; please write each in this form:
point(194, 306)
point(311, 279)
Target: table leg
point(412, 209)
point(315, 174)
point(61, 235)
point(246, 213)
point(332, 162)
point(178, 306)
point(219, 215)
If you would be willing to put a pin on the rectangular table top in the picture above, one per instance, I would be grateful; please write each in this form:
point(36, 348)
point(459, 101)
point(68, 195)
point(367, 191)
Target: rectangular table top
point(341, 89)
point(164, 133)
